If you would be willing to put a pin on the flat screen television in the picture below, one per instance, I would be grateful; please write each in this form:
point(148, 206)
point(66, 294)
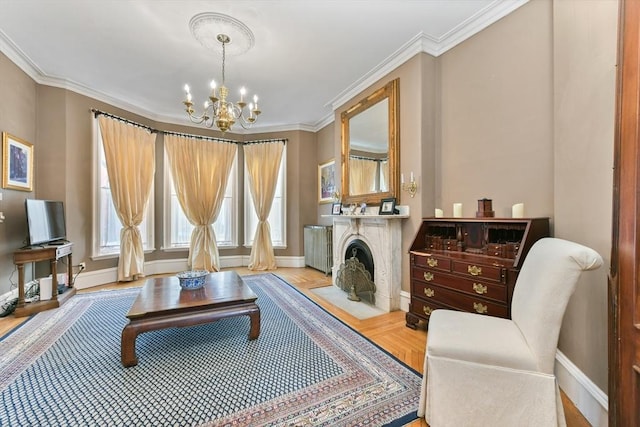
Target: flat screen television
point(45, 222)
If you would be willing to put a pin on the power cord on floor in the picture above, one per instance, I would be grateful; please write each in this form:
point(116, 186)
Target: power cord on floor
point(9, 305)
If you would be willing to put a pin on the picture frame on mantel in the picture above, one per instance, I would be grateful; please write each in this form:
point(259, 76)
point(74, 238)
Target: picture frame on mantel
point(336, 209)
point(327, 181)
point(17, 163)
point(388, 206)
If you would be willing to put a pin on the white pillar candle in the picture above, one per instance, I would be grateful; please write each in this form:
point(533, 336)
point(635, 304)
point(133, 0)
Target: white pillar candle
point(457, 210)
point(439, 213)
point(517, 210)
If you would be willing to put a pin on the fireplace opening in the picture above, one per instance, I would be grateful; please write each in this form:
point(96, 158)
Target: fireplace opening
point(362, 253)
point(355, 275)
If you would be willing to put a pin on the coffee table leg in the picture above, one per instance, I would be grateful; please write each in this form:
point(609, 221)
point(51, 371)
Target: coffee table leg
point(254, 315)
point(128, 346)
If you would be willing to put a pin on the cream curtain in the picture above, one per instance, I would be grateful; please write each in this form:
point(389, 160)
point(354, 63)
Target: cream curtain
point(362, 178)
point(384, 175)
point(130, 158)
point(263, 163)
point(200, 170)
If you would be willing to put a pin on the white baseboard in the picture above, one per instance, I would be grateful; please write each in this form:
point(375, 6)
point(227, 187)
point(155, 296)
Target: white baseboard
point(90, 279)
point(405, 299)
point(589, 399)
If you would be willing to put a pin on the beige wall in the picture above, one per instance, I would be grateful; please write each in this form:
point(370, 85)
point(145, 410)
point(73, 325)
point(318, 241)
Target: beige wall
point(17, 117)
point(497, 116)
point(585, 42)
point(527, 116)
point(325, 151)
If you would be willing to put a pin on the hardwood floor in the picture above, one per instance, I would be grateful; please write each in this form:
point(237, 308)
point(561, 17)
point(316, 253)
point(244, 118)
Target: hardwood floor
point(388, 331)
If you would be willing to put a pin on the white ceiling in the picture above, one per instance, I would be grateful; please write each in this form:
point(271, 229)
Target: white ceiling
point(309, 55)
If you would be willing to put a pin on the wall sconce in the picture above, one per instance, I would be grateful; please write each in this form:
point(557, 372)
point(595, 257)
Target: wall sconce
point(410, 187)
point(336, 196)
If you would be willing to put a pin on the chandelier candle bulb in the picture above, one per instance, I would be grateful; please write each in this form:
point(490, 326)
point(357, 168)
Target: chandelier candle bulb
point(213, 89)
point(401, 178)
point(411, 176)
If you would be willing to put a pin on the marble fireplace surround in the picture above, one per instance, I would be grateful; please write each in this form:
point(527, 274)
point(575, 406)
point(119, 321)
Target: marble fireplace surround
point(383, 235)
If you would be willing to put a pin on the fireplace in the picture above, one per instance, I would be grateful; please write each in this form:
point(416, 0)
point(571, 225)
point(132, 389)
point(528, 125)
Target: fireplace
point(356, 273)
point(381, 235)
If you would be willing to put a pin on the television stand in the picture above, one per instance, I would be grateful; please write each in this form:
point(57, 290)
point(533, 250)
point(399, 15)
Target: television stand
point(46, 253)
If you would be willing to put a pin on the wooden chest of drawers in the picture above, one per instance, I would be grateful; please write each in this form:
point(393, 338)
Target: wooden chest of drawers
point(475, 270)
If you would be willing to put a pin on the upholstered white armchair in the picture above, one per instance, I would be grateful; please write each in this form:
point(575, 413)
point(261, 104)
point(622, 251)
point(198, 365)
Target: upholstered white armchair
point(489, 371)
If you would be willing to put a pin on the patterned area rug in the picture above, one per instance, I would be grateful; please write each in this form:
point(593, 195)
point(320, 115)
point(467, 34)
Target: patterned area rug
point(307, 368)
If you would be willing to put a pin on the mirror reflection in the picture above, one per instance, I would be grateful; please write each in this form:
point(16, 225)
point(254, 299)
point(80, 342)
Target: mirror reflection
point(370, 147)
point(369, 150)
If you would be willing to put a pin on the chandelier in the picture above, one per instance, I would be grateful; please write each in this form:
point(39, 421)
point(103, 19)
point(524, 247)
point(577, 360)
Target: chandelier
point(218, 110)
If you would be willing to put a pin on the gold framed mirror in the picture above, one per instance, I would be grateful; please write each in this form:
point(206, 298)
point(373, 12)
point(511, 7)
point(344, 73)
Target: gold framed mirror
point(371, 147)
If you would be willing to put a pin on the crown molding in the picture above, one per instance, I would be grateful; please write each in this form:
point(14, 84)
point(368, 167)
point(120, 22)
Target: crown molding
point(423, 43)
point(495, 11)
point(18, 57)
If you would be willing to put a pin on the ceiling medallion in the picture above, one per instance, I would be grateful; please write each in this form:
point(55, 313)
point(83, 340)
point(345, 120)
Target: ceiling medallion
point(206, 27)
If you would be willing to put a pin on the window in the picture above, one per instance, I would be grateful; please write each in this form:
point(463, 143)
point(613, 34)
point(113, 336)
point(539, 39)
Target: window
point(178, 228)
point(107, 226)
point(277, 216)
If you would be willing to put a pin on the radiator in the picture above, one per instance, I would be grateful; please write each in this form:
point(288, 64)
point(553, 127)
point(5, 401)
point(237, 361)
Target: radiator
point(318, 247)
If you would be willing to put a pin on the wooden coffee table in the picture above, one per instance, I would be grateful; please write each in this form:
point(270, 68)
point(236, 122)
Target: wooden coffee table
point(162, 304)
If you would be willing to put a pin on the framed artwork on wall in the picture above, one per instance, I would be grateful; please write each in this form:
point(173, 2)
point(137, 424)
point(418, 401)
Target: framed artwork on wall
point(326, 181)
point(17, 163)
point(336, 209)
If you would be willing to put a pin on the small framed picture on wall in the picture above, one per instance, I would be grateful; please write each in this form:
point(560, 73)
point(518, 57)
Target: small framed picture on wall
point(17, 163)
point(326, 181)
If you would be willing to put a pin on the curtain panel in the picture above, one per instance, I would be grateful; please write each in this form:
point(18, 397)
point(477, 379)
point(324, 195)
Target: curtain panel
point(263, 163)
point(363, 175)
point(130, 159)
point(200, 170)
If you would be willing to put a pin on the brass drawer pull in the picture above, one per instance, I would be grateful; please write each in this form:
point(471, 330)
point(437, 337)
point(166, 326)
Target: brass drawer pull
point(474, 270)
point(427, 310)
point(432, 262)
point(479, 288)
point(428, 276)
point(479, 307)
point(429, 292)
